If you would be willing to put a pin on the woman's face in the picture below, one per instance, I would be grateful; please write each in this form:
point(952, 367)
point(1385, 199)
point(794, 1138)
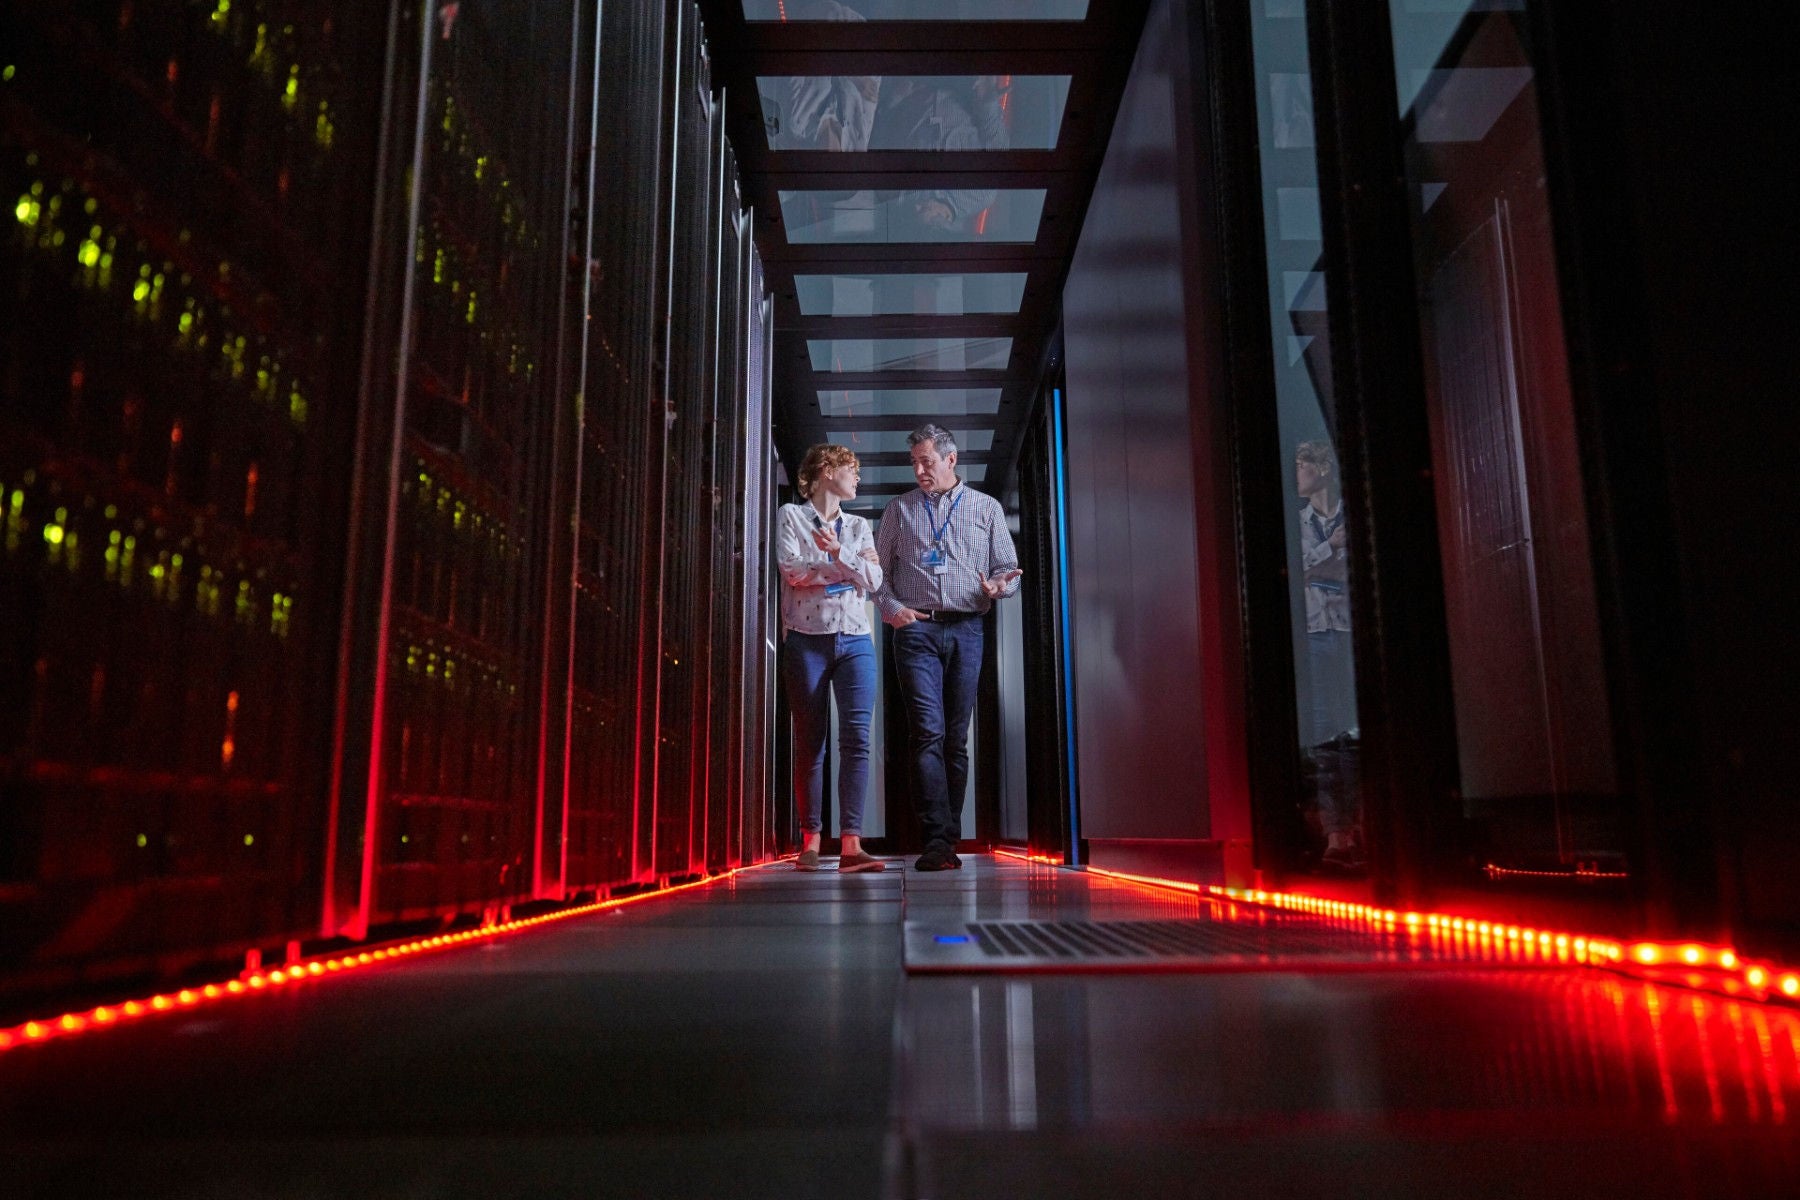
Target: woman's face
point(842, 481)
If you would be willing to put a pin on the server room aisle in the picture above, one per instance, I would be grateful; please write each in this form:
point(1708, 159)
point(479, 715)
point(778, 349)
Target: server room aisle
point(729, 1040)
point(758, 1037)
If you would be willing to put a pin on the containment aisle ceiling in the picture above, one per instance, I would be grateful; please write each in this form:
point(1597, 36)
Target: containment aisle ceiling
point(919, 172)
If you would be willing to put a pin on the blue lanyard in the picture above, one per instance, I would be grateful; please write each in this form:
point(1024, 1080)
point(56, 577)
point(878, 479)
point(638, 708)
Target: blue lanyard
point(938, 531)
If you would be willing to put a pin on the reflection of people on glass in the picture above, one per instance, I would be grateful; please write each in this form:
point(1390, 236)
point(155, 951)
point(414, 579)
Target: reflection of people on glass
point(1291, 107)
point(1328, 724)
point(823, 112)
point(949, 113)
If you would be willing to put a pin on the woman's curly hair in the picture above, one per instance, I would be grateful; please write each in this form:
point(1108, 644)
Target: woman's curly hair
point(819, 459)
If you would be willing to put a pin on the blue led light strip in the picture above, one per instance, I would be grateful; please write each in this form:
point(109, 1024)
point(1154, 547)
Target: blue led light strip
point(1060, 490)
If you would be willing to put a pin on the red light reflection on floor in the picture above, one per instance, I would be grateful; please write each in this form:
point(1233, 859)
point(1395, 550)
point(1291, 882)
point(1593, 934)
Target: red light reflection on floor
point(251, 982)
point(1693, 965)
point(1631, 1047)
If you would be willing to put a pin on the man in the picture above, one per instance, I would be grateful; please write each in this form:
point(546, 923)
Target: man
point(940, 114)
point(946, 556)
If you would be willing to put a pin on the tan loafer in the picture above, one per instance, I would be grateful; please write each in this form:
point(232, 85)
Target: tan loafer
point(851, 863)
point(808, 861)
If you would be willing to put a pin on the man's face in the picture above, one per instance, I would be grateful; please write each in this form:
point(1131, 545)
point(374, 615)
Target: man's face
point(934, 473)
point(1307, 477)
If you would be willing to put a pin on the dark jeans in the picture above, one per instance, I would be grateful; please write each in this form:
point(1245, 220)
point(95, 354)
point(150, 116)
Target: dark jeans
point(814, 665)
point(939, 666)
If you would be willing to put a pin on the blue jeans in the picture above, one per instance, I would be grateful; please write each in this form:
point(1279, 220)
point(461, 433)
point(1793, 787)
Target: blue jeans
point(814, 665)
point(940, 666)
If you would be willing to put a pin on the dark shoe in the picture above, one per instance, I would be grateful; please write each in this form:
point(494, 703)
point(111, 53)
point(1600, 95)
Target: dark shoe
point(850, 863)
point(937, 859)
point(808, 861)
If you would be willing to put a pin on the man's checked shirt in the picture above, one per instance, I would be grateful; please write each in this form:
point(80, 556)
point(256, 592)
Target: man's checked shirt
point(976, 545)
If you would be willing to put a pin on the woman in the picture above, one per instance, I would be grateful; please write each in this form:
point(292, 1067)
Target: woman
point(828, 569)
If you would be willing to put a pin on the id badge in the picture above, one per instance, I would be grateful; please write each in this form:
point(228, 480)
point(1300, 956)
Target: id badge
point(933, 560)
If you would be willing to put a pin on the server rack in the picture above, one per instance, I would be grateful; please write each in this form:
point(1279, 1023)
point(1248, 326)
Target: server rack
point(384, 402)
point(760, 607)
point(177, 384)
point(620, 422)
point(683, 379)
point(1048, 736)
point(461, 463)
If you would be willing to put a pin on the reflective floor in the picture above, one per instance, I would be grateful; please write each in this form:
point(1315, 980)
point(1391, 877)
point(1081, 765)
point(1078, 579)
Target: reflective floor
point(759, 1038)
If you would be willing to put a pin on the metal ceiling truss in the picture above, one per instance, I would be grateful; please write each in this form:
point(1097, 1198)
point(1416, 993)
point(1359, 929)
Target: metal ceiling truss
point(1095, 54)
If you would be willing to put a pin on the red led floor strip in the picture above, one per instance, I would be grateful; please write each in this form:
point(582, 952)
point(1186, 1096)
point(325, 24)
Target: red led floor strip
point(1048, 860)
point(1681, 964)
point(254, 982)
point(1493, 871)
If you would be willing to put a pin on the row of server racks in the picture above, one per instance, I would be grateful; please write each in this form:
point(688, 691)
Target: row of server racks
point(384, 474)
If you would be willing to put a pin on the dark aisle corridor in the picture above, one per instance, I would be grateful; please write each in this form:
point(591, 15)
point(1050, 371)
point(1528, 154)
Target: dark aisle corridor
point(759, 1037)
point(1365, 635)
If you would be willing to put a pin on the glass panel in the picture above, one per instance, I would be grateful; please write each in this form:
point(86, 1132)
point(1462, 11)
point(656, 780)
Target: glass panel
point(915, 10)
point(893, 441)
point(1330, 836)
point(913, 112)
point(858, 355)
point(1533, 728)
point(923, 215)
point(909, 295)
point(886, 476)
point(919, 402)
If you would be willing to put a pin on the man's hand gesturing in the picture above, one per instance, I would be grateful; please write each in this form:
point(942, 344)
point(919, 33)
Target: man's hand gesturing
point(993, 587)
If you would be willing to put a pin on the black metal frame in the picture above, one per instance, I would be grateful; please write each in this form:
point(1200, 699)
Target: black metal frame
point(1403, 685)
point(1224, 104)
point(1688, 424)
point(1687, 821)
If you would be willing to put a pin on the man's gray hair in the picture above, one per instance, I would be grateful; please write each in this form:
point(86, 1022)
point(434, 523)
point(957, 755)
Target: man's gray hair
point(937, 435)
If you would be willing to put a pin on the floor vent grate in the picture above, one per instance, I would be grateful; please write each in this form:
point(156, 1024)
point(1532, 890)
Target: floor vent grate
point(1187, 945)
